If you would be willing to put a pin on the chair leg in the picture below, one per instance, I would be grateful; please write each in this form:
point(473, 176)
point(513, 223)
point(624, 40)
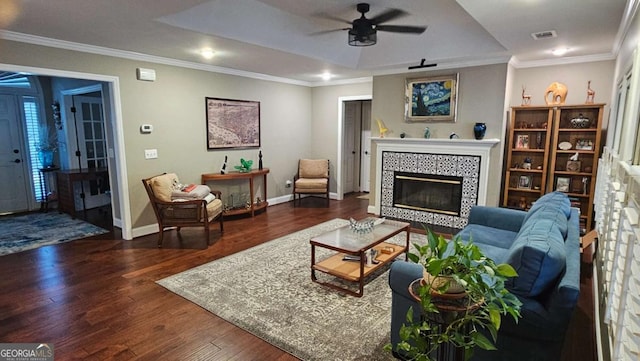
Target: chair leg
point(206, 230)
point(221, 223)
point(160, 236)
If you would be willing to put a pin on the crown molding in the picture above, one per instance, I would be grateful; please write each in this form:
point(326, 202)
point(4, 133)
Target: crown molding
point(99, 50)
point(561, 61)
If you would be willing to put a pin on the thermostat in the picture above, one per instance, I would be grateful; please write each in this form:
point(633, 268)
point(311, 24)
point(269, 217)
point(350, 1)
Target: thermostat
point(146, 128)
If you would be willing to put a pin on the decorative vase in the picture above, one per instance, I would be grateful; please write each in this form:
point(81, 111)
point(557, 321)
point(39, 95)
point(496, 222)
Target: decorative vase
point(46, 158)
point(479, 130)
point(427, 133)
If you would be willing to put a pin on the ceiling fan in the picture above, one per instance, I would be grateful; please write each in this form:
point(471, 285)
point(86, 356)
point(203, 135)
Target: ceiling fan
point(363, 31)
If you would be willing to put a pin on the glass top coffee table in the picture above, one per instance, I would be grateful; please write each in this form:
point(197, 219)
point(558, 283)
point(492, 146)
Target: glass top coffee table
point(347, 242)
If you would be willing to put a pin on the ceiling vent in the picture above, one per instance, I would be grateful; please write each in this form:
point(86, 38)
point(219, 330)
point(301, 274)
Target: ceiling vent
point(544, 34)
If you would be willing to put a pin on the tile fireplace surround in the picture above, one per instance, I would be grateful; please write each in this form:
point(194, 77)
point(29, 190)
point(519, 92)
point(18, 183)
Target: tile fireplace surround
point(465, 158)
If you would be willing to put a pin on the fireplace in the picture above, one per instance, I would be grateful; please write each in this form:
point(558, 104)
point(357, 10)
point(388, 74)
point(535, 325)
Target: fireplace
point(431, 182)
point(427, 192)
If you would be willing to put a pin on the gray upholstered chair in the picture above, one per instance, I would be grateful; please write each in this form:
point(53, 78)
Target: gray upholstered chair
point(312, 178)
point(175, 207)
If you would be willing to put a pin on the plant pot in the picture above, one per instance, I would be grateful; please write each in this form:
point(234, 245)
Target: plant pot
point(455, 288)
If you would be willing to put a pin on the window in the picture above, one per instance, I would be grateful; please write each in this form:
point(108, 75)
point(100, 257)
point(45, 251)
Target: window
point(32, 122)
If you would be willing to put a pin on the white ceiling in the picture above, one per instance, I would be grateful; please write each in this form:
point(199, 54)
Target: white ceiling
point(277, 37)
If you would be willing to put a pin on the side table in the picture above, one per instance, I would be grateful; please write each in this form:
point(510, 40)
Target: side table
point(255, 206)
point(45, 189)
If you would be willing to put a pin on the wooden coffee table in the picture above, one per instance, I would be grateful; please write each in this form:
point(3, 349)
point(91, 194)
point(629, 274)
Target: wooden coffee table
point(347, 242)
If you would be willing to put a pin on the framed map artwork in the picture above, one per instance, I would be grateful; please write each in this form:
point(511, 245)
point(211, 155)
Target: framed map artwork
point(232, 124)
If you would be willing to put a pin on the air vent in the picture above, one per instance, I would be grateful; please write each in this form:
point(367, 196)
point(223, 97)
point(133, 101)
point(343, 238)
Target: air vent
point(545, 34)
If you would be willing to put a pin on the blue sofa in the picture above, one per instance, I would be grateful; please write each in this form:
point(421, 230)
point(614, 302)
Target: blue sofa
point(543, 245)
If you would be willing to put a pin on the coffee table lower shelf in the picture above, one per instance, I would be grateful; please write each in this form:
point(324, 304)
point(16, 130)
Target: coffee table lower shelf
point(354, 271)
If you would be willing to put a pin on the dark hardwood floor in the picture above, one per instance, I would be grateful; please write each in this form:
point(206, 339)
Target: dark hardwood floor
point(96, 299)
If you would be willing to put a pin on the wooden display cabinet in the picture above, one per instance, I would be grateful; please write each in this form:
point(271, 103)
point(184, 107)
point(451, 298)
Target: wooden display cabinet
point(550, 136)
point(527, 155)
point(576, 132)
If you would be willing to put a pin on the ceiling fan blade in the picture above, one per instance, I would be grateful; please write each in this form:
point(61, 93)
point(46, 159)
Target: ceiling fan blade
point(402, 29)
point(331, 17)
point(323, 32)
point(387, 16)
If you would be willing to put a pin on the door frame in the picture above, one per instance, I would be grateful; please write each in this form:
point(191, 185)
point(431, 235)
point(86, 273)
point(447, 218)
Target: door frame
point(339, 179)
point(119, 160)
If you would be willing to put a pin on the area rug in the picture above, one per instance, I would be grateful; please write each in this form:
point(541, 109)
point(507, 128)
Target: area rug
point(33, 230)
point(267, 290)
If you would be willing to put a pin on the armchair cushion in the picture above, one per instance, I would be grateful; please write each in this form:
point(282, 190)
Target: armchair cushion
point(313, 168)
point(164, 185)
point(312, 185)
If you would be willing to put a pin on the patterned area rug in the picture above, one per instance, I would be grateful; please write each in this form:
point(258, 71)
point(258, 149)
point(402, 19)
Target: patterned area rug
point(267, 290)
point(21, 233)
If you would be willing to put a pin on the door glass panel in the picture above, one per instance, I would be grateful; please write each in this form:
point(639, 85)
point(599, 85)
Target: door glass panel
point(97, 130)
point(88, 130)
point(86, 111)
point(97, 113)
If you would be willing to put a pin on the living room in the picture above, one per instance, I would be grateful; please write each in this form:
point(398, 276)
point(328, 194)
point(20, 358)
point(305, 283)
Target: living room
point(305, 118)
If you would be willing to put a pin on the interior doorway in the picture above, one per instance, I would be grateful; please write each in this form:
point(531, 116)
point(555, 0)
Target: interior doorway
point(354, 140)
point(118, 182)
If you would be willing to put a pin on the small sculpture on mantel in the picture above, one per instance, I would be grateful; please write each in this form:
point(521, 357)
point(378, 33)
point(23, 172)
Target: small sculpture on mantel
point(526, 98)
point(591, 94)
point(260, 159)
point(223, 168)
point(381, 127)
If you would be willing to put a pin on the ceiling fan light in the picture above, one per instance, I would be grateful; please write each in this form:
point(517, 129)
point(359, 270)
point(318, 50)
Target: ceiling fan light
point(356, 39)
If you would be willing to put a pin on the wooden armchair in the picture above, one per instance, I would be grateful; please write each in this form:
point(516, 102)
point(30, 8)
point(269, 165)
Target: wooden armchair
point(312, 178)
point(175, 208)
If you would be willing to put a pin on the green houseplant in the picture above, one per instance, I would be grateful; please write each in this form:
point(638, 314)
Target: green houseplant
point(466, 319)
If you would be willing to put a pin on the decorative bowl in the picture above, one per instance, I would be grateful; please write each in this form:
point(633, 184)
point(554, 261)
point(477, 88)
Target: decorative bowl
point(580, 122)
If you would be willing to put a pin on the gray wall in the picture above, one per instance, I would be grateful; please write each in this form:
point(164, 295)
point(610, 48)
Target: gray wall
point(174, 104)
point(481, 98)
point(326, 121)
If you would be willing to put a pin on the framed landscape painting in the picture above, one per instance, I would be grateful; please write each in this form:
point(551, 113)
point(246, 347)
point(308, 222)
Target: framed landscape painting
point(232, 124)
point(431, 99)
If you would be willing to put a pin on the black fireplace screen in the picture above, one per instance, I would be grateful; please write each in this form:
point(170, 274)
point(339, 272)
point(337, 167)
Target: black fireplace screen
point(427, 192)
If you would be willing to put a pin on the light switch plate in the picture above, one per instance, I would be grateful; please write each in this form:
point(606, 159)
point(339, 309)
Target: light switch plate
point(150, 153)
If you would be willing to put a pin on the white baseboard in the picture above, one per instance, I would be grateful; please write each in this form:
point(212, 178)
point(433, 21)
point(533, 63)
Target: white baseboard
point(154, 228)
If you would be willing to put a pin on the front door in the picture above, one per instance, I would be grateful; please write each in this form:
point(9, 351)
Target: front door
point(14, 191)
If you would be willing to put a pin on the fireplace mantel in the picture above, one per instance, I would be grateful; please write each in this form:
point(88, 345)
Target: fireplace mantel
point(451, 148)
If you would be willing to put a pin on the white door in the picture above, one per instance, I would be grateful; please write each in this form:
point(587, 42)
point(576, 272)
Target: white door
point(365, 164)
point(93, 149)
point(14, 192)
point(351, 115)
point(365, 152)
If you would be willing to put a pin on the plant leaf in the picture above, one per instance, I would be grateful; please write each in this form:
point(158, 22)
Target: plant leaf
point(482, 342)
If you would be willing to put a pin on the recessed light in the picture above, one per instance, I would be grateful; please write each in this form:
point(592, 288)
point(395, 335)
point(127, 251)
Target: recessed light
point(207, 53)
point(559, 51)
point(326, 76)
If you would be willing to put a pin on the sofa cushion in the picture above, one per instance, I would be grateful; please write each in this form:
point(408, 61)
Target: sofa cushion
point(557, 201)
point(493, 242)
point(538, 255)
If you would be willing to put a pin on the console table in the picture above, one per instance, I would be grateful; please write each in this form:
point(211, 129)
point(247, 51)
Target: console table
point(65, 180)
point(212, 177)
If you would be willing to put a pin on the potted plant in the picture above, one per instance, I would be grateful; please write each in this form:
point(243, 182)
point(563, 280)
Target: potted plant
point(465, 319)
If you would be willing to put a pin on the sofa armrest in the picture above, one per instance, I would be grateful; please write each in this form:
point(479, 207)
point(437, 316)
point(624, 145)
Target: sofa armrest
point(401, 275)
point(495, 217)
